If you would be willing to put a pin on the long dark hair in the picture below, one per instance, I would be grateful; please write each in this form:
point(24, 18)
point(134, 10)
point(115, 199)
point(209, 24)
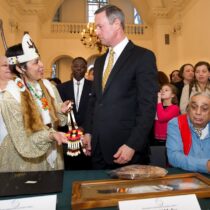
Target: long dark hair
point(162, 78)
point(195, 83)
point(181, 70)
point(31, 116)
point(13, 51)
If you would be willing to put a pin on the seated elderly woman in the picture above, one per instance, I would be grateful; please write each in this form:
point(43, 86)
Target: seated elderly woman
point(30, 111)
point(188, 139)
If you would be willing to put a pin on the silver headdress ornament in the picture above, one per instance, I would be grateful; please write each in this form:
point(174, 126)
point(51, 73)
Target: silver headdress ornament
point(29, 51)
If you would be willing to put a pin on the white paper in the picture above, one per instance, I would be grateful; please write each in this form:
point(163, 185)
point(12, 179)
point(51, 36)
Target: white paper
point(47, 202)
point(180, 202)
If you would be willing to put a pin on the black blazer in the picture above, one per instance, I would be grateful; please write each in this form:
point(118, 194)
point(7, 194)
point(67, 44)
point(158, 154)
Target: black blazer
point(179, 86)
point(66, 91)
point(124, 112)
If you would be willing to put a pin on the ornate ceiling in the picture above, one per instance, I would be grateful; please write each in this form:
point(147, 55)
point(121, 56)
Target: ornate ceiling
point(152, 9)
point(149, 9)
point(45, 9)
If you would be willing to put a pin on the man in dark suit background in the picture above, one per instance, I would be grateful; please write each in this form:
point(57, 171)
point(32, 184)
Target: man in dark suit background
point(122, 110)
point(78, 90)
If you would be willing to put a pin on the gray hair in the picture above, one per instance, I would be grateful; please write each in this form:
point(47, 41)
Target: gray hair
point(113, 12)
point(197, 94)
point(201, 94)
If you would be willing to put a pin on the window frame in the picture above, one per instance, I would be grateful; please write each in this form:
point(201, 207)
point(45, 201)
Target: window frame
point(136, 16)
point(97, 3)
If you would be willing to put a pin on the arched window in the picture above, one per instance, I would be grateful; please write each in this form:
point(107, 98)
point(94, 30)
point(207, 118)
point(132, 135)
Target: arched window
point(92, 6)
point(57, 16)
point(137, 18)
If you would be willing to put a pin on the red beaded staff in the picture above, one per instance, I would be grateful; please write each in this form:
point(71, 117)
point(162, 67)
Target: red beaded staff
point(74, 136)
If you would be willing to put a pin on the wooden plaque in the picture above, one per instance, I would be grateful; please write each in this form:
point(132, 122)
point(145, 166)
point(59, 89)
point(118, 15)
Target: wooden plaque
point(106, 193)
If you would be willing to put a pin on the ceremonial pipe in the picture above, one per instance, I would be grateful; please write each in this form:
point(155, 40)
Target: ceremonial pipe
point(2, 34)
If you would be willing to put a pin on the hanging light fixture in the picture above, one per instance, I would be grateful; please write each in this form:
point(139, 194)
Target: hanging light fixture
point(90, 39)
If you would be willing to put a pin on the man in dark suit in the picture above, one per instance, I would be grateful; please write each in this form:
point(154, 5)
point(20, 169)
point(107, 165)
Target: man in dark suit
point(78, 90)
point(122, 109)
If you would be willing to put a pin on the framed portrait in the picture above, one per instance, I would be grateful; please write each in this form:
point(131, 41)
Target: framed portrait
point(106, 193)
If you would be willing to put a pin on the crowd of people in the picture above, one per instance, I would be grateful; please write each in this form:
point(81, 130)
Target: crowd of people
point(190, 87)
point(118, 107)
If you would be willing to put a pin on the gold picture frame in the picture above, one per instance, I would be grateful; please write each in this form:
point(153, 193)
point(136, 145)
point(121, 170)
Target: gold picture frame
point(106, 193)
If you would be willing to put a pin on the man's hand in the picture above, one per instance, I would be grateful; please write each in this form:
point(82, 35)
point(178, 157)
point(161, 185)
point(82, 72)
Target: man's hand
point(124, 154)
point(87, 144)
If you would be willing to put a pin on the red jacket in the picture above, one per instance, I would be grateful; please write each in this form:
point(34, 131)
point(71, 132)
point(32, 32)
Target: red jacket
point(163, 116)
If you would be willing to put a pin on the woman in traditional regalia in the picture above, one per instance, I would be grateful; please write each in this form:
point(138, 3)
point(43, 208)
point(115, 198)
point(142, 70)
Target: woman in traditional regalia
point(31, 109)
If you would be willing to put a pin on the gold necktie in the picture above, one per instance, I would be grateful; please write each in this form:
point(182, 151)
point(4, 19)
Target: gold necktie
point(108, 68)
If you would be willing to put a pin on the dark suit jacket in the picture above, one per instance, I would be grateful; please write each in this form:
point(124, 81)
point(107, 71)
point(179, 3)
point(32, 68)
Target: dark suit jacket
point(179, 86)
point(124, 112)
point(66, 91)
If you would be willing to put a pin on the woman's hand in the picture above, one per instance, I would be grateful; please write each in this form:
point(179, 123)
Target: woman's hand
point(66, 106)
point(60, 137)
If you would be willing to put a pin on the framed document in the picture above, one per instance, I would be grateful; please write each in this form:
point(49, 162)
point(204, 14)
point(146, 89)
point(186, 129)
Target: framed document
point(106, 193)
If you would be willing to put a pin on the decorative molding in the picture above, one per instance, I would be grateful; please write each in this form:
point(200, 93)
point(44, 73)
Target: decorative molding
point(77, 28)
point(160, 12)
point(171, 10)
point(180, 3)
point(27, 7)
point(14, 27)
point(177, 28)
point(30, 11)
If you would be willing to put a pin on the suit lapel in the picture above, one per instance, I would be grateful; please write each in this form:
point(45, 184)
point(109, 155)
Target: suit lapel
point(100, 72)
point(72, 95)
point(68, 91)
point(71, 92)
point(84, 92)
point(119, 64)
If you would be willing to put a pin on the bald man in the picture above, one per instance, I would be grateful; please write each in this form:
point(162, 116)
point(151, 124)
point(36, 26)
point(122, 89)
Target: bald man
point(188, 140)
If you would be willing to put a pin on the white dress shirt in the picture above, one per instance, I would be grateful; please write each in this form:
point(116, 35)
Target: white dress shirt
point(117, 51)
point(77, 96)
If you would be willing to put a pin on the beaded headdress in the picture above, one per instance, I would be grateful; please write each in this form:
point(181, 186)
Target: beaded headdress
point(30, 51)
point(32, 119)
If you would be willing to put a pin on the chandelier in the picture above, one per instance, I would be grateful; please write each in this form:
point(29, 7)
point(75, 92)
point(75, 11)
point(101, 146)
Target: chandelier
point(90, 39)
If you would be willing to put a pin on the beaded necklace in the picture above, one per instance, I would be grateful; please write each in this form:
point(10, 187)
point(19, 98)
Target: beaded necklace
point(41, 97)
